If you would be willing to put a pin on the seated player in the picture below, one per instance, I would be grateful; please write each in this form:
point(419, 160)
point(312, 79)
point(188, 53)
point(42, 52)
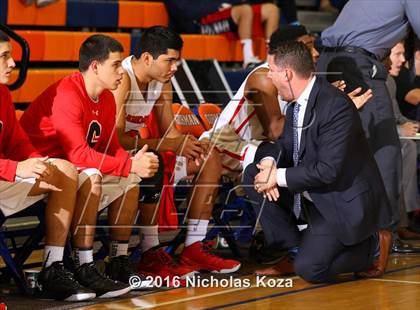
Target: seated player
point(75, 119)
point(146, 92)
point(27, 177)
point(233, 18)
point(255, 113)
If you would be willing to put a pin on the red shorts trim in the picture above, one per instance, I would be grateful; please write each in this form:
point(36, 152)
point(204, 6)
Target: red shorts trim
point(221, 22)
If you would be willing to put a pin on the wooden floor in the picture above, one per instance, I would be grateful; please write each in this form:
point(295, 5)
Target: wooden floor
point(398, 289)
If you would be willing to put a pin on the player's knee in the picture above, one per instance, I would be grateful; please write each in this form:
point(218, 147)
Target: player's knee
point(66, 167)
point(243, 11)
point(270, 11)
point(309, 271)
point(93, 185)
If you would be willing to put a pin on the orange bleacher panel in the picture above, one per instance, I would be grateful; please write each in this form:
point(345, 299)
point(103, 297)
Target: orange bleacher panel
point(141, 14)
point(123, 38)
point(200, 47)
point(51, 15)
point(209, 112)
point(36, 82)
point(60, 45)
point(36, 41)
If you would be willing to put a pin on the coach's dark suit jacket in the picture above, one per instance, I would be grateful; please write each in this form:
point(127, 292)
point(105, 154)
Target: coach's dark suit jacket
point(336, 166)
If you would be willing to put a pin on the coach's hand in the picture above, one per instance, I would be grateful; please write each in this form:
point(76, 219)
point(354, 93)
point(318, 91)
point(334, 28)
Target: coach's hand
point(145, 164)
point(266, 179)
point(33, 168)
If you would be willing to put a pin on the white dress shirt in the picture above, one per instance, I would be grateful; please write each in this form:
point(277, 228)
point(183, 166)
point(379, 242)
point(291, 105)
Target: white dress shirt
point(303, 102)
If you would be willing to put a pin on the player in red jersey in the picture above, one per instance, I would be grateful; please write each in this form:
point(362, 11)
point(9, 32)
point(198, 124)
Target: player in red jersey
point(146, 92)
point(75, 119)
point(27, 177)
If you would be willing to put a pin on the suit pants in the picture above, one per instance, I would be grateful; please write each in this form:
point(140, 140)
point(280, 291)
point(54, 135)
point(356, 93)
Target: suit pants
point(321, 256)
point(377, 117)
point(410, 199)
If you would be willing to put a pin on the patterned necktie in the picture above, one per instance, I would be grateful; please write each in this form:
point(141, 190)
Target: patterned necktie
point(297, 198)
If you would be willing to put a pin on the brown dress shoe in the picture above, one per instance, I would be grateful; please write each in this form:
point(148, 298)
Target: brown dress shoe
point(379, 265)
point(283, 267)
point(407, 234)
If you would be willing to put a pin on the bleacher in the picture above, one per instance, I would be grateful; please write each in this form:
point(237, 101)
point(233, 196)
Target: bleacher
point(55, 32)
point(56, 45)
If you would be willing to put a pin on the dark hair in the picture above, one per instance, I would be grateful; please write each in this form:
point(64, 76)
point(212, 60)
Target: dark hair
point(295, 55)
point(97, 47)
point(4, 37)
point(286, 33)
point(157, 40)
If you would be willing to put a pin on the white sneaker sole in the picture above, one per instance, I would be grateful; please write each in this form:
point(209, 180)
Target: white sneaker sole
point(80, 297)
point(236, 268)
point(144, 285)
point(189, 275)
point(115, 293)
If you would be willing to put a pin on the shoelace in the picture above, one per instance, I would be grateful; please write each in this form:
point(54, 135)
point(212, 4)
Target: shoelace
point(96, 274)
point(165, 258)
point(66, 277)
point(126, 265)
point(207, 247)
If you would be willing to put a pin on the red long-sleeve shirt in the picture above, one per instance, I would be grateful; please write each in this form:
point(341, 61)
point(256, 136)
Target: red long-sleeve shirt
point(14, 143)
point(64, 122)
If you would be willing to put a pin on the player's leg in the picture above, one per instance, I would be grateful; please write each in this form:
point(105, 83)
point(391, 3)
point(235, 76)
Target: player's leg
point(242, 16)
point(270, 16)
point(90, 199)
point(154, 260)
point(121, 217)
point(56, 282)
point(196, 253)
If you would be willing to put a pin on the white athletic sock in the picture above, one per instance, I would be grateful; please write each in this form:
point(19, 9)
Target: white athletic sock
point(83, 256)
point(117, 248)
point(196, 231)
point(149, 237)
point(247, 50)
point(53, 254)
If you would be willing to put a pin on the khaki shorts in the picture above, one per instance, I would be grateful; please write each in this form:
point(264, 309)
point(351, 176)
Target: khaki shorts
point(112, 186)
point(14, 195)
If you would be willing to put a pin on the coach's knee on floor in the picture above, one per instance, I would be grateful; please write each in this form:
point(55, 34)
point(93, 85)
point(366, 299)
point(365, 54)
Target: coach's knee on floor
point(309, 270)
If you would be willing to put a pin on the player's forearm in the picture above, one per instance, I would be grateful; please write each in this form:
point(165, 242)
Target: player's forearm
point(170, 144)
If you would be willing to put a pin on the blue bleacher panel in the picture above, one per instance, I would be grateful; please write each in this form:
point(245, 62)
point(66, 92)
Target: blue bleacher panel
point(135, 36)
point(92, 13)
point(3, 11)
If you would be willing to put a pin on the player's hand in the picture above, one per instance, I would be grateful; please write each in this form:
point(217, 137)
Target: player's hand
point(145, 164)
point(360, 100)
point(33, 168)
point(341, 85)
point(191, 148)
point(409, 129)
point(49, 176)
